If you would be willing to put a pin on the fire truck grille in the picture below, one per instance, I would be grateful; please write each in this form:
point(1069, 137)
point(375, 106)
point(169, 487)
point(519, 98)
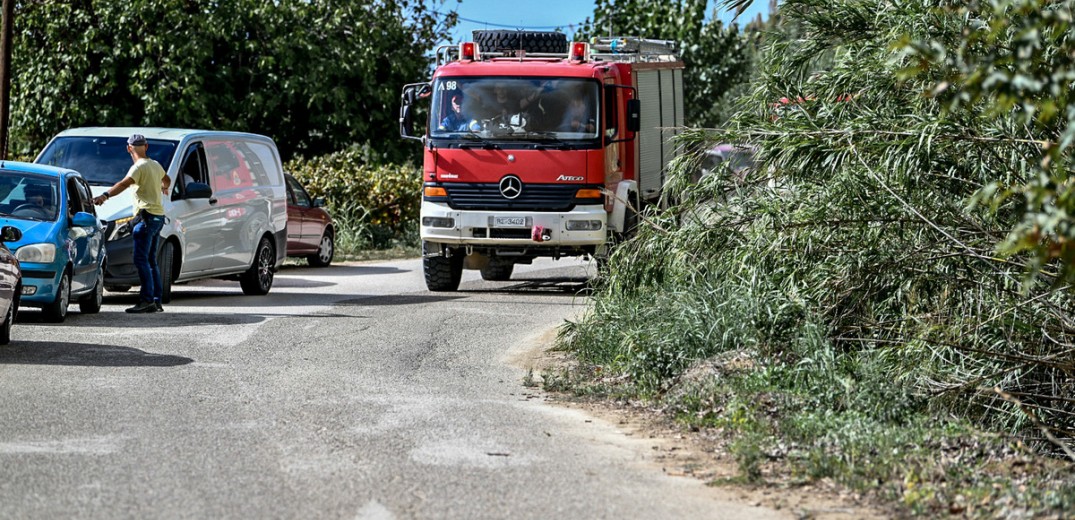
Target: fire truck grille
point(536, 197)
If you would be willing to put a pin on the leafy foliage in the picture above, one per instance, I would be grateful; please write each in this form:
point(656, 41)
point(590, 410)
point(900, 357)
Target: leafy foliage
point(373, 205)
point(717, 57)
point(849, 288)
point(315, 76)
point(1015, 62)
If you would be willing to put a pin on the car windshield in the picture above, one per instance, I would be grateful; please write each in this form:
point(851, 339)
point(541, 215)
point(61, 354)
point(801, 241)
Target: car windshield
point(741, 159)
point(102, 161)
point(539, 109)
point(28, 196)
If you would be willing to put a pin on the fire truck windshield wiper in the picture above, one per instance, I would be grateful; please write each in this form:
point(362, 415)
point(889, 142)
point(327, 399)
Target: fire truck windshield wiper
point(549, 140)
point(478, 142)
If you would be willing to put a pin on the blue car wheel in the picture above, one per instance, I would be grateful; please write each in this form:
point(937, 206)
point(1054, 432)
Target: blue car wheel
point(56, 311)
point(91, 303)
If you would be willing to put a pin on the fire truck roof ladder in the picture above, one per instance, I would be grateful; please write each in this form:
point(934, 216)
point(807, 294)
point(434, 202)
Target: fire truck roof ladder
point(631, 48)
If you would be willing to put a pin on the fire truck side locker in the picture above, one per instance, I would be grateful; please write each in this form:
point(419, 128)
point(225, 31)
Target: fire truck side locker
point(660, 90)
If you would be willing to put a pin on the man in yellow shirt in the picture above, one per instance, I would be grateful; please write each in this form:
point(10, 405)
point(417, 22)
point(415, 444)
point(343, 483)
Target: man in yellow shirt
point(150, 182)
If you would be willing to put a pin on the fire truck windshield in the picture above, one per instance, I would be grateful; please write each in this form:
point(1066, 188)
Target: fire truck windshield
point(532, 109)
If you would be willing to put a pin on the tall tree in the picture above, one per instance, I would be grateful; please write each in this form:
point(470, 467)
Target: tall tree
point(315, 76)
point(912, 141)
point(717, 57)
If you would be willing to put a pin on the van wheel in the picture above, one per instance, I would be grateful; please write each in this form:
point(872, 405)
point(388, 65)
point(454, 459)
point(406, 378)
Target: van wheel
point(56, 311)
point(498, 270)
point(165, 259)
point(442, 273)
point(258, 279)
point(91, 303)
point(325, 251)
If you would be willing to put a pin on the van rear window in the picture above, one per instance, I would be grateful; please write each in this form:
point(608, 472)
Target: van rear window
point(102, 161)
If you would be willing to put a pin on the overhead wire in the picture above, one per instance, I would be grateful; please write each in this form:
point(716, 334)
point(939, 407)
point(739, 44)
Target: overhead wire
point(510, 26)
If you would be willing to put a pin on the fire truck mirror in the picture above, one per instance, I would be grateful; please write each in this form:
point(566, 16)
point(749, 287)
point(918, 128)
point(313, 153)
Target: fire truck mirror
point(406, 121)
point(634, 115)
point(406, 112)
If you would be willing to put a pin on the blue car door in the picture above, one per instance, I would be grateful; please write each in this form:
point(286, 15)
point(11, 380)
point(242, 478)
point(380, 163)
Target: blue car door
point(84, 243)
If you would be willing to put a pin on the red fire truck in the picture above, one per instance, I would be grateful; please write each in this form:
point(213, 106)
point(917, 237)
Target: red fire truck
point(539, 148)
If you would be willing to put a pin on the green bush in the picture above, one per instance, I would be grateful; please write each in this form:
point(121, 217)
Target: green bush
point(843, 307)
point(375, 206)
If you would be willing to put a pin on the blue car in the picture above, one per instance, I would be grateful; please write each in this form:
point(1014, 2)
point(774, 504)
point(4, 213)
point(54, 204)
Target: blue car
point(62, 248)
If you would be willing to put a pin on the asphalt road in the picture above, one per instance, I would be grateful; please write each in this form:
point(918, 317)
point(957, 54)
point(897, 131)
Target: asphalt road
point(347, 392)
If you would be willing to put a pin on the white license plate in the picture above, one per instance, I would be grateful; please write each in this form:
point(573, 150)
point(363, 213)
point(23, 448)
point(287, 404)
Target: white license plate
point(509, 221)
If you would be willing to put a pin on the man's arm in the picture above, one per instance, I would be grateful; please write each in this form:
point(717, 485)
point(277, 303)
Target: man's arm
point(116, 189)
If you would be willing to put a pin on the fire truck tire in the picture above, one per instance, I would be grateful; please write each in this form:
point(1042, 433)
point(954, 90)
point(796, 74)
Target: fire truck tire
point(442, 273)
point(630, 220)
point(498, 270)
point(530, 41)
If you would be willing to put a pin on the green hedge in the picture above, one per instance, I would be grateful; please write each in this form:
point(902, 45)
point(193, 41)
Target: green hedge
point(375, 206)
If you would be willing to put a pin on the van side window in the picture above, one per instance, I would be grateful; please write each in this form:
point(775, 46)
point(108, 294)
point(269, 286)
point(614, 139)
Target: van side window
point(261, 163)
point(227, 169)
point(257, 169)
point(192, 170)
point(270, 163)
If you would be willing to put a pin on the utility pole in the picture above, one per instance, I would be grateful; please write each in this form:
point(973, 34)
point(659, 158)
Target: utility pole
point(6, 29)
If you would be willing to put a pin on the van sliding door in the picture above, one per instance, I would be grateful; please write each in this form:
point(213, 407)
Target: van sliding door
point(243, 198)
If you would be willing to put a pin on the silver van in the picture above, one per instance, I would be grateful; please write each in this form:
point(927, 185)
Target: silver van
point(226, 216)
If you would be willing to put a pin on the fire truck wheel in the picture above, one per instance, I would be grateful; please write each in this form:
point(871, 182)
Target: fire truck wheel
point(550, 42)
point(442, 273)
point(498, 270)
point(630, 221)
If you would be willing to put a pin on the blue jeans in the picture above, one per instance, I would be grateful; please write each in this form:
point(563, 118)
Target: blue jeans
point(147, 235)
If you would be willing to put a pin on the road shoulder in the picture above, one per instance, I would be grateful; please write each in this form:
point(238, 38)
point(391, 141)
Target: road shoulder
point(678, 452)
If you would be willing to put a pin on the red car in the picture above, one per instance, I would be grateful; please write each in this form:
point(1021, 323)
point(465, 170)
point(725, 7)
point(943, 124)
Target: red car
point(310, 232)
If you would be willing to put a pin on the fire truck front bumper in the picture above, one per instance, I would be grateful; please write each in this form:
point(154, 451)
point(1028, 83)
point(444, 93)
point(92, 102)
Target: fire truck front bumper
point(583, 226)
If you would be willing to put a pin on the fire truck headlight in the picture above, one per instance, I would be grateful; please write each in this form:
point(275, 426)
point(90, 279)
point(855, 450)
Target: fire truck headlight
point(438, 222)
point(584, 225)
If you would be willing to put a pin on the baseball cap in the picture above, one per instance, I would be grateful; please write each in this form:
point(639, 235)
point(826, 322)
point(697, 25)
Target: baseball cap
point(136, 140)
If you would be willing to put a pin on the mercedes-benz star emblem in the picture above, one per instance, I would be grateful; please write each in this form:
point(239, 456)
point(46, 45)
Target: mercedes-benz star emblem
point(511, 187)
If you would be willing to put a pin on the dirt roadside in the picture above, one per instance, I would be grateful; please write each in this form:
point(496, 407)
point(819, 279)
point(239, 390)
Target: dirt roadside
point(700, 455)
